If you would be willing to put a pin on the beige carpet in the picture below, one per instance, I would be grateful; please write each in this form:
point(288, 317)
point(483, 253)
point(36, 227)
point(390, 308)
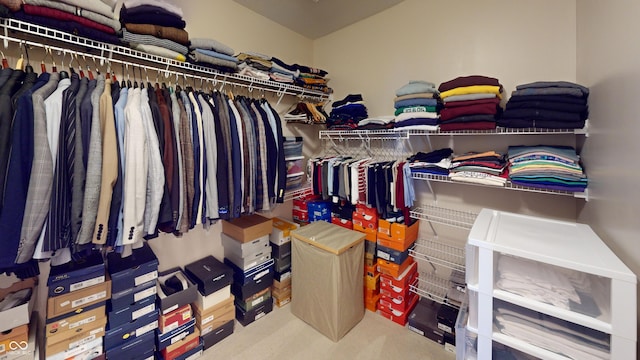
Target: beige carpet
point(281, 335)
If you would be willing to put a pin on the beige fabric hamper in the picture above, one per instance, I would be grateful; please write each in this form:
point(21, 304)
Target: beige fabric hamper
point(327, 277)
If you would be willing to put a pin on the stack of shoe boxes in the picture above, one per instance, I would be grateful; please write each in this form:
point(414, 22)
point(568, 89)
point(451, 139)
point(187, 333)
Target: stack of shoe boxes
point(397, 268)
point(76, 320)
point(280, 239)
point(300, 210)
point(365, 220)
point(342, 214)
point(17, 298)
point(132, 310)
point(253, 271)
point(435, 321)
point(176, 336)
point(213, 306)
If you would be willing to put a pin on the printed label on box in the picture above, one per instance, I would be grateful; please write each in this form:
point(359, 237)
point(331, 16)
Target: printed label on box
point(86, 283)
point(145, 329)
point(416, 330)
point(81, 341)
point(145, 310)
point(145, 278)
point(257, 301)
point(444, 327)
point(179, 337)
point(206, 330)
point(87, 299)
point(82, 322)
point(170, 327)
point(166, 311)
point(261, 274)
point(144, 294)
point(384, 231)
point(260, 315)
point(383, 255)
point(208, 319)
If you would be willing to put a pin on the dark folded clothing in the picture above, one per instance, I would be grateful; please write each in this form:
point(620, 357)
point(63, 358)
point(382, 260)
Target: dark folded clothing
point(470, 118)
point(432, 156)
point(541, 114)
point(376, 126)
point(554, 84)
point(417, 121)
point(4, 12)
point(212, 66)
point(549, 185)
point(65, 16)
point(482, 108)
point(170, 33)
point(354, 110)
point(70, 27)
point(148, 14)
point(540, 124)
point(550, 98)
point(543, 105)
point(453, 104)
point(435, 170)
point(347, 99)
point(284, 65)
point(478, 125)
point(310, 70)
point(468, 81)
point(342, 126)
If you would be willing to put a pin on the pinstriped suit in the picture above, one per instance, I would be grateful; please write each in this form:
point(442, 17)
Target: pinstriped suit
point(109, 163)
point(94, 171)
point(39, 193)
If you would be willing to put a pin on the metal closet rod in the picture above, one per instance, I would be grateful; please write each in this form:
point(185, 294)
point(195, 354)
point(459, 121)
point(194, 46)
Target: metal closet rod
point(280, 92)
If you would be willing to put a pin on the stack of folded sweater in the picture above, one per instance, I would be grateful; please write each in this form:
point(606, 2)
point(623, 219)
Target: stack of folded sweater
point(312, 78)
point(282, 72)
point(212, 53)
point(346, 113)
point(547, 104)
point(377, 123)
point(93, 19)
point(416, 106)
point(255, 65)
point(155, 27)
point(547, 167)
point(486, 168)
point(436, 162)
point(470, 103)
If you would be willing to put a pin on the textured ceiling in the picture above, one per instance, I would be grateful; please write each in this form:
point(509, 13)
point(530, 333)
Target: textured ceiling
point(316, 18)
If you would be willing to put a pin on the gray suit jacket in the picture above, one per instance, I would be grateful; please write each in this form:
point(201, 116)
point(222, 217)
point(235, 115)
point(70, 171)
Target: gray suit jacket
point(41, 180)
point(94, 171)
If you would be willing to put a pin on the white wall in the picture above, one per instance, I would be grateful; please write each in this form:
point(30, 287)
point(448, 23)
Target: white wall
point(608, 63)
point(514, 41)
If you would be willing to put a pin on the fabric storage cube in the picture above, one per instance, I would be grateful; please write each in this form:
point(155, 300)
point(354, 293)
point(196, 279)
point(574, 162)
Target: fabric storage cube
point(294, 181)
point(292, 146)
point(327, 289)
point(295, 164)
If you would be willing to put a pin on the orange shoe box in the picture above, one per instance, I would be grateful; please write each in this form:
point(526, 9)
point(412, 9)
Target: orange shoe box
point(371, 304)
point(402, 281)
point(372, 280)
point(395, 270)
point(347, 224)
point(400, 317)
point(398, 236)
point(389, 290)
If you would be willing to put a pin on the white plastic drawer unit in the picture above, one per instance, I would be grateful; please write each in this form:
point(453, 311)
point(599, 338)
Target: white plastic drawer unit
point(560, 270)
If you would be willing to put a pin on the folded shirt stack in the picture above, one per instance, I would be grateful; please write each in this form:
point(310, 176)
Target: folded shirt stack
point(312, 78)
point(255, 65)
point(416, 106)
point(282, 72)
point(377, 123)
point(436, 162)
point(155, 27)
point(346, 113)
point(212, 53)
point(486, 168)
point(470, 103)
point(547, 104)
point(91, 19)
point(547, 167)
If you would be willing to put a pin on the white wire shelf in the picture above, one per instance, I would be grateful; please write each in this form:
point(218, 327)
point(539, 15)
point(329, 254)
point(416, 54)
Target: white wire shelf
point(508, 185)
point(297, 193)
point(440, 215)
point(405, 134)
point(439, 253)
point(106, 52)
point(433, 287)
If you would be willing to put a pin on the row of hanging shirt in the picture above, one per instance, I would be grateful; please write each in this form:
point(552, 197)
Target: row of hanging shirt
point(384, 185)
point(91, 162)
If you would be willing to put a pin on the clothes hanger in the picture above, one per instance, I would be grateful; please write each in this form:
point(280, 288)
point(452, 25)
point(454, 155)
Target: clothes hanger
point(89, 73)
point(5, 62)
point(135, 81)
point(141, 82)
point(71, 69)
point(63, 73)
point(27, 68)
point(178, 88)
point(128, 77)
point(43, 66)
point(123, 84)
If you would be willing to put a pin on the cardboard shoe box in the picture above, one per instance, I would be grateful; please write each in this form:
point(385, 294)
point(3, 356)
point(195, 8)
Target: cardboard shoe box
point(138, 268)
point(397, 304)
point(17, 335)
point(170, 302)
point(255, 300)
point(281, 231)
point(20, 314)
point(404, 280)
point(391, 255)
point(392, 269)
point(245, 291)
point(209, 274)
point(93, 327)
point(164, 339)
point(248, 262)
point(399, 317)
point(119, 335)
point(247, 228)
point(133, 295)
point(131, 312)
point(423, 320)
point(389, 290)
point(397, 236)
point(242, 250)
point(73, 322)
point(283, 264)
point(250, 275)
point(175, 319)
point(218, 334)
point(142, 347)
point(76, 340)
point(216, 316)
point(247, 317)
point(78, 300)
point(92, 348)
point(205, 303)
point(281, 251)
point(178, 348)
point(76, 275)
